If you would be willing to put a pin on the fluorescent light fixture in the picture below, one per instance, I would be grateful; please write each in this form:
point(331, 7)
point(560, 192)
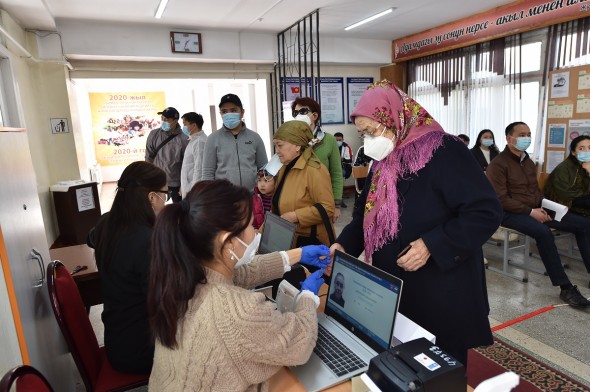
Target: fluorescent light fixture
point(161, 8)
point(370, 18)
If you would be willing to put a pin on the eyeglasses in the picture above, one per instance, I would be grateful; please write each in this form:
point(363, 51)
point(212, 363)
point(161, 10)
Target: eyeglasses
point(168, 195)
point(300, 111)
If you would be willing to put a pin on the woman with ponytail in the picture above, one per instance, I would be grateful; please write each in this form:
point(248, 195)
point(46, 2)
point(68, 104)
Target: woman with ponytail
point(212, 332)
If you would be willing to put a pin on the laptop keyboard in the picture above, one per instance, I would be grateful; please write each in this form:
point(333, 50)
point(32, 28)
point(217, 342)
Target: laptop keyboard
point(339, 358)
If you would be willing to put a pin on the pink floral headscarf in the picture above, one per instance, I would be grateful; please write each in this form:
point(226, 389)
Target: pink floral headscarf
point(418, 136)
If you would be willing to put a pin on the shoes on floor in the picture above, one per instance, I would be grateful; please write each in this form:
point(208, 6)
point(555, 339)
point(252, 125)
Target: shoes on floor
point(342, 205)
point(574, 298)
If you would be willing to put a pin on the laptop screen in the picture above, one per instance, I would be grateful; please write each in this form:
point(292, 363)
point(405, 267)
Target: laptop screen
point(363, 299)
point(277, 234)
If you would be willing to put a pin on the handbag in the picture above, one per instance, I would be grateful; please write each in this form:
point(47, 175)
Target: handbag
point(313, 237)
point(360, 171)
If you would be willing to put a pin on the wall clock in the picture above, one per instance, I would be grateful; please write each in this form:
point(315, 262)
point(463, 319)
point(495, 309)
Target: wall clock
point(186, 42)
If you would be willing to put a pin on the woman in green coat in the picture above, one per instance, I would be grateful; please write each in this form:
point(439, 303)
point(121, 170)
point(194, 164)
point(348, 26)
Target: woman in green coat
point(569, 183)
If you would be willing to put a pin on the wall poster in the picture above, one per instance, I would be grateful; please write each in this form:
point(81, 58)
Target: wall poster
point(355, 87)
point(332, 100)
point(556, 135)
point(295, 87)
point(121, 122)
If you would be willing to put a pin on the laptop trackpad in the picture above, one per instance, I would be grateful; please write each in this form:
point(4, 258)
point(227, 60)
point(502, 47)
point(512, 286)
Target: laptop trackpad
point(314, 374)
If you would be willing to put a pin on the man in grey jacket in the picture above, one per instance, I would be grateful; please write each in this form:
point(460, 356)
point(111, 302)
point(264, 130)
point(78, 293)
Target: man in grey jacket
point(165, 148)
point(233, 152)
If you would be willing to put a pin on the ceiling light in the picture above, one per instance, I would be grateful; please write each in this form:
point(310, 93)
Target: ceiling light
point(161, 8)
point(370, 18)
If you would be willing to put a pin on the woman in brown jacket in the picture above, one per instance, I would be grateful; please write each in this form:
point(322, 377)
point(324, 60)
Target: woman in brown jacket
point(302, 182)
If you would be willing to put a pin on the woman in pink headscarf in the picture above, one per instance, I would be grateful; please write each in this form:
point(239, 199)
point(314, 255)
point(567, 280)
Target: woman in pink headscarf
point(426, 192)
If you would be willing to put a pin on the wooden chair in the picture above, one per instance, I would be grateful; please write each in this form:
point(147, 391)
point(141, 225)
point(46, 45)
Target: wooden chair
point(26, 378)
point(91, 360)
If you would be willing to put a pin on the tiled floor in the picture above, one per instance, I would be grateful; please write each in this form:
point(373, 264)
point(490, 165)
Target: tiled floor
point(559, 337)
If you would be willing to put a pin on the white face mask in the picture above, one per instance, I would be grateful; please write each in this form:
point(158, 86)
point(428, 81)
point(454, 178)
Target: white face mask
point(378, 147)
point(249, 252)
point(305, 118)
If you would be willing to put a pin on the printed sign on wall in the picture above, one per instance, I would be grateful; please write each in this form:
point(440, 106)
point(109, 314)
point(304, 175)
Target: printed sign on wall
point(121, 122)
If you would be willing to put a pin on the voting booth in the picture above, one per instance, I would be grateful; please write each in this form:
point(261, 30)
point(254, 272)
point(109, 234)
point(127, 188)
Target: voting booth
point(77, 208)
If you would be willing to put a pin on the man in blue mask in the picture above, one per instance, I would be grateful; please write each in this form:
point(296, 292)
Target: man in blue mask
point(165, 148)
point(233, 152)
point(514, 178)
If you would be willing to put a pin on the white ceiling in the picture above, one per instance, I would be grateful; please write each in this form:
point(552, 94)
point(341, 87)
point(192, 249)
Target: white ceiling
point(252, 15)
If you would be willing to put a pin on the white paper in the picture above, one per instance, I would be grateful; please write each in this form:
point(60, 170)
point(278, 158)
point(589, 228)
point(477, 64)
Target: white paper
point(583, 104)
point(554, 158)
point(560, 110)
point(560, 209)
point(583, 80)
point(85, 199)
point(406, 330)
point(274, 165)
point(560, 85)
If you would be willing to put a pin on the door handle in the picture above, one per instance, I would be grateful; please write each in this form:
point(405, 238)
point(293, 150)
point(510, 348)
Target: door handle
point(37, 256)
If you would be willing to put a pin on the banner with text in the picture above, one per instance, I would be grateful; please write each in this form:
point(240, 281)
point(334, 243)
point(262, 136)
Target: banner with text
point(121, 123)
point(499, 22)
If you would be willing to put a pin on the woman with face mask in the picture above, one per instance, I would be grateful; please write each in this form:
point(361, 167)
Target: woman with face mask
point(569, 182)
point(212, 333)
point(122, 241)
point(324, 146)
point(485, 148)
point(302, 182)
point(424, 213)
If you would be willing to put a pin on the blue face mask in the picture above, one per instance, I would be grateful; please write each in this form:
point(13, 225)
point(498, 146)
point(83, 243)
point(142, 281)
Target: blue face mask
point(186, 131)
point(487, 142)
point(583, 156)
point(165, 126)
point(232, 120)
point(339, 143)
point(522, 143)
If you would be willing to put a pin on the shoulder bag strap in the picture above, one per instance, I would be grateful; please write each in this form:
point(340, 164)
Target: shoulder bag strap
point(326, 220)
point(164, 142)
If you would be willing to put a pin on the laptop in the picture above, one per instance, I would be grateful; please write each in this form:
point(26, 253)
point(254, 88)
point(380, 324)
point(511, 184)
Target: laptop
point(359, 317)
point(277, 234)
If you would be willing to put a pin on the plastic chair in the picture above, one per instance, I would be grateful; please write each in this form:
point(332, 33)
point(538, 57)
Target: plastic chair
point(27, 378)
point(91, 360)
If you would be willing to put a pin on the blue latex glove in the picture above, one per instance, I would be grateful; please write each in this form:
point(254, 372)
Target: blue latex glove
point(313, 282)
point(310, 255)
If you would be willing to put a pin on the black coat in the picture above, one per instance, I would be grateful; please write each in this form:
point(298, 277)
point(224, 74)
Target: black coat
point(481, 159)
point(451, 205)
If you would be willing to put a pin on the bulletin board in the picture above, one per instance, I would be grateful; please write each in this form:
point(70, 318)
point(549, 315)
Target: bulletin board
point(568, 112)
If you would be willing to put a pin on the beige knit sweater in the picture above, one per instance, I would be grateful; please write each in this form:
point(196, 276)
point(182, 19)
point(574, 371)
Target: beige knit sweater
point(232, 339)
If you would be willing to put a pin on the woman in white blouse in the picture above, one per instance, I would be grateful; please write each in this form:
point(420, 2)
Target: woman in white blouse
point(485, 148)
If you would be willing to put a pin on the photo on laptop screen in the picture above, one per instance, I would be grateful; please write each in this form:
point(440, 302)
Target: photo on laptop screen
point(277, 234)
point(364, 299)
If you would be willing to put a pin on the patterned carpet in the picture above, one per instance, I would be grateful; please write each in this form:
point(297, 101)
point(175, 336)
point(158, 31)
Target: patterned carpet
point(535, 376)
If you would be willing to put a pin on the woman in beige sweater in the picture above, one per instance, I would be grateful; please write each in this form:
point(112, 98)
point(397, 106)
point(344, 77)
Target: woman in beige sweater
point(212, 333)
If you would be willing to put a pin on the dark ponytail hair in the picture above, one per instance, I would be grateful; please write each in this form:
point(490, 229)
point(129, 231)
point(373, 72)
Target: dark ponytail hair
point(131, 207)
point(184, 239)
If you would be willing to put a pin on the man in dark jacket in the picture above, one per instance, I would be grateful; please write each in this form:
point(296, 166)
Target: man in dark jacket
point(514, 178)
